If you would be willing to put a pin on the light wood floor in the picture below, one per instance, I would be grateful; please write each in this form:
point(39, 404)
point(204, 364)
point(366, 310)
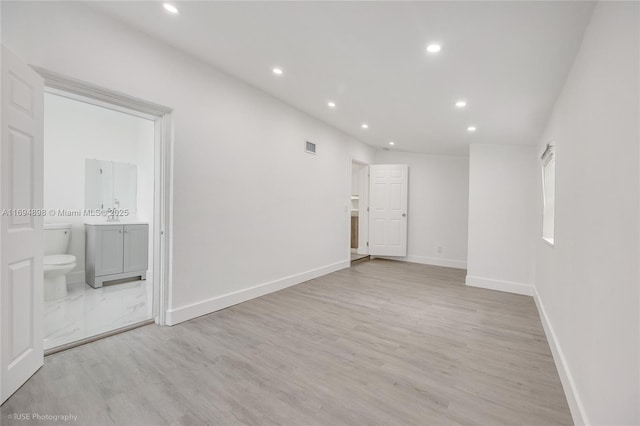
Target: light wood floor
point(381, 343)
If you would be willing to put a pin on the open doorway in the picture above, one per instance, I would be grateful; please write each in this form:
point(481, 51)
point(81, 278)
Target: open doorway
point(99, 197)
point(358, 208)
point(107, 184)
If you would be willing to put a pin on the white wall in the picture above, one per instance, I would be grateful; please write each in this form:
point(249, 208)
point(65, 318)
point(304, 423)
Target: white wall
point(75, 131)
point(355, 178)
point(501, 214)
point(438, 206)
point(588, 283)
point(251, 208)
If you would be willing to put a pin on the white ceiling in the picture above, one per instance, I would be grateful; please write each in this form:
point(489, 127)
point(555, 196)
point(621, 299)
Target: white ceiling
point(507, 59)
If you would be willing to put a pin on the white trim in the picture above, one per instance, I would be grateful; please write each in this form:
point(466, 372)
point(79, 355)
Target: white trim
point(568, 384)
point(163, 217)
point(106, 97)
point(434, 261)
point(359, 250)
point(500, 285)
point(184, 313)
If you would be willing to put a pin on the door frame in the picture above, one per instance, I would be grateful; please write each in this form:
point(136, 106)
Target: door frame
point(163, 169)
point(364, 163)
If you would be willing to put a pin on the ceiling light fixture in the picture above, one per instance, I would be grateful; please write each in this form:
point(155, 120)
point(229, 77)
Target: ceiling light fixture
point(392, 143)
point(471, 129)
point(365, 126)
point(170, 8)
point(277, 71)
point(434, 48)
point(461, 104)
point(331, 104)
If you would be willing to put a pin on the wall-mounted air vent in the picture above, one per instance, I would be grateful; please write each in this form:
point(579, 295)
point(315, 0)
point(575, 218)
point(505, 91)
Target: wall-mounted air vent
point(310, 147)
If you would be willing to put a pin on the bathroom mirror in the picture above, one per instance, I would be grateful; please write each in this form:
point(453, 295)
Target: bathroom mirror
point(109, 184)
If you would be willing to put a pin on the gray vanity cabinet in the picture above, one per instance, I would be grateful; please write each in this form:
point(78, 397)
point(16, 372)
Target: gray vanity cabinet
point(136, 246)
point(114, 252)
point(108, 249)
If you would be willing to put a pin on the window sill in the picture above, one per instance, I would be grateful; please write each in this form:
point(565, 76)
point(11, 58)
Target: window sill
point(548, 241)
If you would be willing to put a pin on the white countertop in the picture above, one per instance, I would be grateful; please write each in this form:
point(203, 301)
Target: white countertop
point(120, 222)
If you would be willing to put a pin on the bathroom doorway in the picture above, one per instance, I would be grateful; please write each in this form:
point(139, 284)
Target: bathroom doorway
point(358, 207)
point(106, 198)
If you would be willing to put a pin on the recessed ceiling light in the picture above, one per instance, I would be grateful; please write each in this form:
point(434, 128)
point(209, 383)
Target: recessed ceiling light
point(170, 8)
point(434, 48)
point(471, 129)
point(365, 126)
point(392, 143)
point(277, 71)
point(461, 104)
point(331, 104)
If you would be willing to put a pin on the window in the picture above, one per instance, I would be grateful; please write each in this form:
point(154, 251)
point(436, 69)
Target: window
point(549, 193)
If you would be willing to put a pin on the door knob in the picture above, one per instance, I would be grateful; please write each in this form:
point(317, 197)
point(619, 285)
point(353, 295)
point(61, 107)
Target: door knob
point(404, 215)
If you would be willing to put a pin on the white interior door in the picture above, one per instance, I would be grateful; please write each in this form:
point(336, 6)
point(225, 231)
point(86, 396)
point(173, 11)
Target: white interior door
point(388, 209)
point(21, 233)
point(363, 214)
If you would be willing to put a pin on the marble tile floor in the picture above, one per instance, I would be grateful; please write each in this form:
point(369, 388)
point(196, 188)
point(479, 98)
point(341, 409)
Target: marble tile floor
point(88, 311)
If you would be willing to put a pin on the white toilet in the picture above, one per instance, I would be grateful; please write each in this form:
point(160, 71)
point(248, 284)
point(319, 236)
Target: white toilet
point(57, 263)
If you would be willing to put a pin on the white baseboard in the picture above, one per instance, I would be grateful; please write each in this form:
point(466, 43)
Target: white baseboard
point(568, 384)
point(506, 286)
point(435, 261)
point(184, 313)
point(75, 277)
